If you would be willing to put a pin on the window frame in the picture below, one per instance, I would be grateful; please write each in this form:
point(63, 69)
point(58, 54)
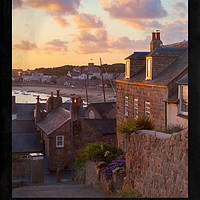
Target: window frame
point(57, 145)
point(180, 100)
point(147, 66)
point(135, 107)
point(126, 105)
point(146, 107)
point(127, 69)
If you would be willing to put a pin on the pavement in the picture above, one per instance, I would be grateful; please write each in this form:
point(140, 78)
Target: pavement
point(51, 189)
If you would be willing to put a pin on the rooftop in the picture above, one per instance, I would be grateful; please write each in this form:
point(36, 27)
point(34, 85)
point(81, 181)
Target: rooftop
point(53, 120)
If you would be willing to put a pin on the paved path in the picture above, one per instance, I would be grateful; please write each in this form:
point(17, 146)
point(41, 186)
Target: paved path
point(65, 189)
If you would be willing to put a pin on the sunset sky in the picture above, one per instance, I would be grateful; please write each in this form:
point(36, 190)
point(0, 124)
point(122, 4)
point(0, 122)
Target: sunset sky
point(52, 33)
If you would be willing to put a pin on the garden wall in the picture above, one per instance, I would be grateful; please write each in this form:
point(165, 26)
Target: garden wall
point(20, 168)
point(95, 177)
point(157, 163)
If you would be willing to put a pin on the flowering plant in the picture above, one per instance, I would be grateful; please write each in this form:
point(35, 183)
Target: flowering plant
point(117, 162)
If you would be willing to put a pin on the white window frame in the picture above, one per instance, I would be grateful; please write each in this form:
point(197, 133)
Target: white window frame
point(148, 65)
point(127, 69)
point(62, 140)
point(180, 99)
point(126, 105)
point(147, 108)
point(135, 108)
point(91, 114)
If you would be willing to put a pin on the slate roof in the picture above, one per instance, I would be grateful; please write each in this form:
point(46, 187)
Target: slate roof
point(166, 76)
point(25, 111)
point(138, 55)
point(14, 109)
point(164, 52)
point(183, 80)
point(26, 142)
point(23, 126)
point(178, 44)
point(105, 126)
point(53, 120)
point(101, 107)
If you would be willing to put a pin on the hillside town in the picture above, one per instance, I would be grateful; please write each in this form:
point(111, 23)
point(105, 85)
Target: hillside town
point(151, 103)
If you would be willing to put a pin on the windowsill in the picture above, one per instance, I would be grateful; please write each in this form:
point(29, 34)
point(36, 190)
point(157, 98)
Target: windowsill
point(182, 116)
point(59, 147)
point(147, 79)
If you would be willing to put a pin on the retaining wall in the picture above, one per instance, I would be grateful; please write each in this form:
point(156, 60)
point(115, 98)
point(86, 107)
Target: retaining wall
point(157, 163)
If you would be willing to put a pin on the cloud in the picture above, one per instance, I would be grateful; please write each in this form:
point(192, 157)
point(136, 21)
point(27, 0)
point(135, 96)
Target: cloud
point(126, 43)
point(142, 24)
point(17, 4)
point(179, 6)
point(134, 9)
point(181, 14)
point(89, 43)
point(25, 45)
point(56, 45)
point(61, 22)
point(87, 21)
point(56, 7)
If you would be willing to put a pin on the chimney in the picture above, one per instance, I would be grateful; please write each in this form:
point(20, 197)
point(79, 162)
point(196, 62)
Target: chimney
point(75, 109)
point(50, 103)
point(57, 100)
point(37, 110)
point(155, 42)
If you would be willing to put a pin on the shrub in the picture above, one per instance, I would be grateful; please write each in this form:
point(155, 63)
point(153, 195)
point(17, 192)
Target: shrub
point(174, 129)
point(132, 125)
point(15, 157)
point(97, 152)
point(117, 162)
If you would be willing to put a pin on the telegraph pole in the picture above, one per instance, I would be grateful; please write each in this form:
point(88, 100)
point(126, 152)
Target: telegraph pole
point(102, 82)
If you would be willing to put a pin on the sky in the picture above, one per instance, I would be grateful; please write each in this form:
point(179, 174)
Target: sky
point(53, 33)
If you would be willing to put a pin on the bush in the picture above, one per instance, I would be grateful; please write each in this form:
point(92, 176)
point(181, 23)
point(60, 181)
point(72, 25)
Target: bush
point(16, 157)
point(97, 152)
point(132, 125)
point(117, 162)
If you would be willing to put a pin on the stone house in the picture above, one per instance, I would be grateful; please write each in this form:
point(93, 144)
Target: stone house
point(149, 82)
point(101, 110)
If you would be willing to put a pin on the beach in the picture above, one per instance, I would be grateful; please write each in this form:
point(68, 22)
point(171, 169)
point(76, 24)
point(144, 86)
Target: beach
point(94, 94)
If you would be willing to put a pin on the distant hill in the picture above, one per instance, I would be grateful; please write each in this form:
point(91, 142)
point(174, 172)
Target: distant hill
point(61, 71)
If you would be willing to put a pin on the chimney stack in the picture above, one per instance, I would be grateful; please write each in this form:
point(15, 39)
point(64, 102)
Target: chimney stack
point(155, 42)
point(50, 103)
point(75, 109)
point(37, 110)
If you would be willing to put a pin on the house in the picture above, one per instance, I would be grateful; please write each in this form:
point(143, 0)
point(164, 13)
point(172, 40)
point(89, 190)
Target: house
point(101, 110)
point(149, 82)
point(177, 105)
point(25, 138)
point(55, 125)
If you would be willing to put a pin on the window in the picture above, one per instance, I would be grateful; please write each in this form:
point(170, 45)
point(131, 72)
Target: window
point(184, 99)
point(126, 105)
point(148, 68)
point(91, 114)
point(135, 108)
point(127, 69)
point(147, 108)
point(59, 141)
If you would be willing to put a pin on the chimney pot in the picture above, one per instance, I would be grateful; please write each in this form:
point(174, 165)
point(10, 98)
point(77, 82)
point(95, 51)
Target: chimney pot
point(73, 100)
point(153, 35)
point(51, 94)
point(158, 35)
point(38, 99)
point(57, 93)
point(77, 101)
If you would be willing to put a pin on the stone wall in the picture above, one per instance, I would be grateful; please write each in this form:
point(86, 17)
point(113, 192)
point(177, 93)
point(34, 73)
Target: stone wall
point(157, 163)
point(154, 94)
point(136, 65)
point(20, 169)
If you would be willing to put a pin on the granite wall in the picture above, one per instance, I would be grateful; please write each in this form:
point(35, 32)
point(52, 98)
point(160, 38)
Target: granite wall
point(157, 163)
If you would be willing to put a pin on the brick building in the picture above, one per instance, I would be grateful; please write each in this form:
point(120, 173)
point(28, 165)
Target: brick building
point(149, 82)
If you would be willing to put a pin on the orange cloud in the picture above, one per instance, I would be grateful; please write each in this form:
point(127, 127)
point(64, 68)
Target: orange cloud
point(55, 7)
point(87, 21)
point(25, 45)
point(61, 22)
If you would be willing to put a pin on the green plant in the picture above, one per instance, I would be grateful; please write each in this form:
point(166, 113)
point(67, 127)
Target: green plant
point(132, 125)
point(144, 122)
point(174, 129)
point(15, 157)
